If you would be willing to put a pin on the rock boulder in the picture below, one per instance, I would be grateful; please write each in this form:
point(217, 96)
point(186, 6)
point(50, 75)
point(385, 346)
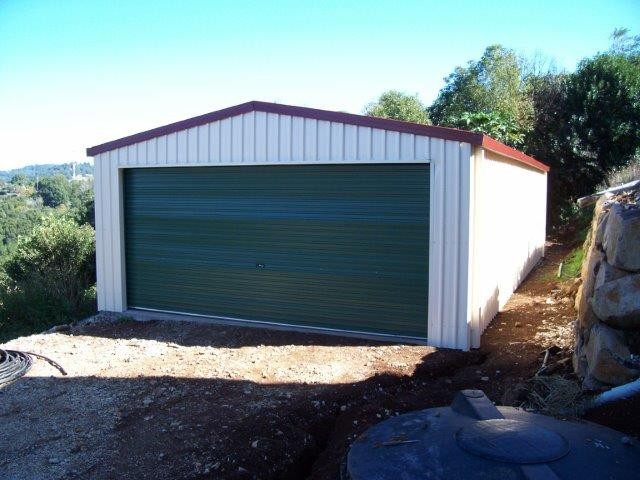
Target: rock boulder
point(590, 267)
point(622, 237)
point(600, 228)
point(617, 302)
point(608, 273)
point(606, 355)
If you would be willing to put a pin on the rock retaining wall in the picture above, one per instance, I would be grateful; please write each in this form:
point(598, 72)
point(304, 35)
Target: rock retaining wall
point(608, 300)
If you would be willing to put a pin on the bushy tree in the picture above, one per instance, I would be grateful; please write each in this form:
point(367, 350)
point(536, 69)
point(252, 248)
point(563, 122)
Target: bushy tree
point(18, 217)
point(60, 255)
point(19, 179)
point(398, 106)
point(622, 43)
point(494, 86)
point(549, 128)
point(81, 202)
point(53, 190)
point(586, 124)
point(49, 277)
point(548, 141)
point(493, 124)
point(603, 109)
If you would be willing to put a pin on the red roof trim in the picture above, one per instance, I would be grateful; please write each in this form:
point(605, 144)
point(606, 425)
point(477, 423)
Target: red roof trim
point(326, 115)
point(502, 149)
point(171, 128)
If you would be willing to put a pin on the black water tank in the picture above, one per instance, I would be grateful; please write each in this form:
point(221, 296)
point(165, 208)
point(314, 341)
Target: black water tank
point(474, 439)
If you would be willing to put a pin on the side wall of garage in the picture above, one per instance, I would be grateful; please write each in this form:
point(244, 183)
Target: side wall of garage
point(508, 232)
point(261, 138)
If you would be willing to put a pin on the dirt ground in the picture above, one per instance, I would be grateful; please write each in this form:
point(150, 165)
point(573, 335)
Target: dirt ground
point(161, 400)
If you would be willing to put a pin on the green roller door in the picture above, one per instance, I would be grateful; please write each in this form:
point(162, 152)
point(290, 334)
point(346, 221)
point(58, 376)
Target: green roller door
point(332, 246)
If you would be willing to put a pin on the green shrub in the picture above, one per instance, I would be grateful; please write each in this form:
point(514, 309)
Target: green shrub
point(54, 190)
point(18, 217)
point(48, 278)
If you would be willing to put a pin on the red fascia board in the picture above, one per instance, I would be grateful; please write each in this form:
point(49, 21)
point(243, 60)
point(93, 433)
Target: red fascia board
point(372, 122)
point(502, 149)
point(325, 115)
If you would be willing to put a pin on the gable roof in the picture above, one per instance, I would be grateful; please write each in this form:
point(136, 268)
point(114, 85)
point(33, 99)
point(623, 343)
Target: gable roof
point(327, 115)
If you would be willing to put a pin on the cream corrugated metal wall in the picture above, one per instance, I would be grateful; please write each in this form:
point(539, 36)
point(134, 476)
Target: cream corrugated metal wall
point(259, 138)
point(449, 244)
point(267, 138)
point(508, 209)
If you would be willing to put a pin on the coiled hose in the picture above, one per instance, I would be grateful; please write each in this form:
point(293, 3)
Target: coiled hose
point(14, 364)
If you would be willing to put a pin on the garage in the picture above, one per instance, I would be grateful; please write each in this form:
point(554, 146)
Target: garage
point(294, 217)
point(331, 246)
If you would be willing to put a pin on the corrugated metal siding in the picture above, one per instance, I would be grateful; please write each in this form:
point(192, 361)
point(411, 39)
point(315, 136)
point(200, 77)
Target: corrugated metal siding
point(449, 250)
point(265, 138)
point(258, 138)
point(509, 211)
point(329, 246)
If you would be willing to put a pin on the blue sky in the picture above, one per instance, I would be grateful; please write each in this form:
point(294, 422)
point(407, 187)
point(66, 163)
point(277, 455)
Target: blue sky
point(77, 73)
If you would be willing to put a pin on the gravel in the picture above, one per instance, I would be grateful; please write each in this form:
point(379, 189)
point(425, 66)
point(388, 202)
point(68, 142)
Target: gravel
point(178, 400)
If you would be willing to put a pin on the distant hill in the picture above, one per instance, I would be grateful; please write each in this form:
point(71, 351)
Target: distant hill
point(33, 171)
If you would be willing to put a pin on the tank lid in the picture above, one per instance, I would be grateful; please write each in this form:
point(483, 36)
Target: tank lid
point(512, 441)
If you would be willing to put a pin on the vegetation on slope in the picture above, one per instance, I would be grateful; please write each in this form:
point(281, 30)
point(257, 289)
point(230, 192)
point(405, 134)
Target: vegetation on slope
point(47, 254)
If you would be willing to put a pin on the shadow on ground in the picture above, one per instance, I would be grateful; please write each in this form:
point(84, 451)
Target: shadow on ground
point(167, 427)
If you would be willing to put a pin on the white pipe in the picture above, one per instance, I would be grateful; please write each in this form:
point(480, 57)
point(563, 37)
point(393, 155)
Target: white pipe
point(618, 393)
point(591, 199)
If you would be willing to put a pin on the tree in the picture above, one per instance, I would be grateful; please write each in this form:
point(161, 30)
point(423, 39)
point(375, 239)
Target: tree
point(603, 109)
point(624, 44)
point(398, 106)
point(548, 92)
point(494, 85)
point(18, 217)
point(585, 124)
point(49, 276)
point(59, 254)
point(493, 124)
point(54, 190)
point(548, 142)
point(19, 179)
point(81, 203)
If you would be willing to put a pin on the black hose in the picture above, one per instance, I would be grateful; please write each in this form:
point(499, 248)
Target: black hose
point(53, 363)
point(13, 365)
